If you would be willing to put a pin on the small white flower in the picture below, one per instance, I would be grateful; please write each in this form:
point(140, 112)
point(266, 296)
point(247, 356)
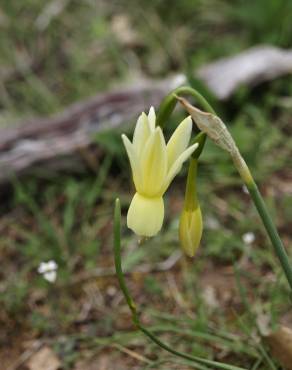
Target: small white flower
point(50, 276)
point(48, 270)
point(248, 238)
point(42, 267)
point(52, 265)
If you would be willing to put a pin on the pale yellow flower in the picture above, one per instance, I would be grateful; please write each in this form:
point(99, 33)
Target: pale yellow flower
point(154, 165)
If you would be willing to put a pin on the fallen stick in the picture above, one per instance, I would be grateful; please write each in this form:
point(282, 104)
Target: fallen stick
point(55, 142)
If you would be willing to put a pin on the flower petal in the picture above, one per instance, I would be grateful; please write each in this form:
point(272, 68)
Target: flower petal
point(152, 118)
point(135, 166)
point(175, 168)
point(141, 133)
point(154, 164)
point(145, 215)
point(179, 141)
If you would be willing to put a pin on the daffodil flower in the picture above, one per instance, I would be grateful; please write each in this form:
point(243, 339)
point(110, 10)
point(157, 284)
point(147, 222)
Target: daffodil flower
point(154, 164)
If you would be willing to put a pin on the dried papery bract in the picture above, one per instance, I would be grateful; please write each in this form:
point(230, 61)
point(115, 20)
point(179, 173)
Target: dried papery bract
point(217, 131)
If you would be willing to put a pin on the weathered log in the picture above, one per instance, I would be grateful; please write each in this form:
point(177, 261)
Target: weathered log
point(251, 67)
point(51, 140)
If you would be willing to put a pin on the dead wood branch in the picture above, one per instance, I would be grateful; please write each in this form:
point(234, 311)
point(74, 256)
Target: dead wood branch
point(56, 141)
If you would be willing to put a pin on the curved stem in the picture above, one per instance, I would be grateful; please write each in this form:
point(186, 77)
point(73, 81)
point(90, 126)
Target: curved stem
point(118, 262)
point(132, 306)
point(169, 102)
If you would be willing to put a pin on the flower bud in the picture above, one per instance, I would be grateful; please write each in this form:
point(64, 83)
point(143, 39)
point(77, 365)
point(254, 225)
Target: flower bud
point(191, 225)
point(190, 230)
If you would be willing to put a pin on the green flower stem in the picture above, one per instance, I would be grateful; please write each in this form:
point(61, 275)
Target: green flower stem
point(270, 229)
point(132, 306)
point(118, 262)
point(200, 139)
point(191, 199)
point(260, 205)
point(169, 102)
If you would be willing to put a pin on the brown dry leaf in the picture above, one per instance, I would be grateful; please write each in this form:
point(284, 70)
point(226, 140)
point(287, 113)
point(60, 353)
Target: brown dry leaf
point(44, 359)
point(280, 343)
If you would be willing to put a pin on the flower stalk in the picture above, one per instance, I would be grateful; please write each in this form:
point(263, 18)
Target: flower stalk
point(169, 102)
point(270, 229)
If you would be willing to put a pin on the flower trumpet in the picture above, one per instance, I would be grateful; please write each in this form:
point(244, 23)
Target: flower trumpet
point(154, 164)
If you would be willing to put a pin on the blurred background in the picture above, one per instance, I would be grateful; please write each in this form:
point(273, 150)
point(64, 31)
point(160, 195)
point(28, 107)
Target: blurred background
point(61, 307)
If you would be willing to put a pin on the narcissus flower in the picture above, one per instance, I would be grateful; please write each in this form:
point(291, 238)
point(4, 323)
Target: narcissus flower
point(190, 224)
point(154, 165)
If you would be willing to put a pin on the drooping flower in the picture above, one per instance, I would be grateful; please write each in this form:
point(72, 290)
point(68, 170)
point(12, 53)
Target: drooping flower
point(191, 224)
point(154, 165)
